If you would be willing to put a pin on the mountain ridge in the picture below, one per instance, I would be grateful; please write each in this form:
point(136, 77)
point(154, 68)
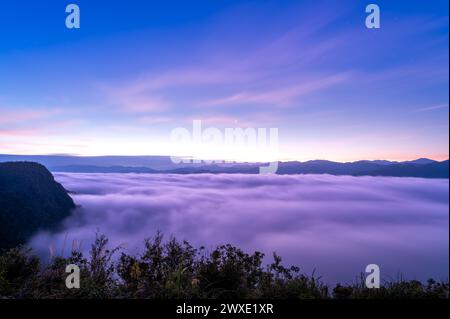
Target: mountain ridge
point(421, 167)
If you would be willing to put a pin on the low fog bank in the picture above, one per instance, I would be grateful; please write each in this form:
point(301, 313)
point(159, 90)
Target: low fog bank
point(333, 224)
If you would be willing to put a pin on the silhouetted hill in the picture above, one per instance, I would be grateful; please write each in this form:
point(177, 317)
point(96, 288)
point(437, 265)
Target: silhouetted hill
point(30, 200)
point(419, 168)
point(420, 161)
point(422, 167)
point(432, 170)
point(52, 161)
point(326, 167)
point(101, 169)
point(216, 169)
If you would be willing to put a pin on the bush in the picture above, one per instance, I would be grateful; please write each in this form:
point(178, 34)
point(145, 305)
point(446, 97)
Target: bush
point(175, 269)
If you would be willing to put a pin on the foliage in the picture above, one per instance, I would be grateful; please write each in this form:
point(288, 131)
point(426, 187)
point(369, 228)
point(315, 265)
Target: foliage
point(175, 269)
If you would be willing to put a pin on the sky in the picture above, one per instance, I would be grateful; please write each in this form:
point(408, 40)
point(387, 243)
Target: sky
point(137, 70)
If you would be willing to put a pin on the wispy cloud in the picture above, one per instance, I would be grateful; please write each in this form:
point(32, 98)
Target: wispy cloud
point(11, 133)
point(432, 108)
point(24, 116)
point(268, 72)
point(281, 96)
point(149, 120)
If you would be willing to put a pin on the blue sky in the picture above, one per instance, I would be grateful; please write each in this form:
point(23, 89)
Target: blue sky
point(136, 70)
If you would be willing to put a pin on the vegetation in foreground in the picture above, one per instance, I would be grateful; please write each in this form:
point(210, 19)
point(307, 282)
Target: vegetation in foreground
point(175, 269)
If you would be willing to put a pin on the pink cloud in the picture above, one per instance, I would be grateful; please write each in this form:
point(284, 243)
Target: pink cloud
point(18, 133)
point(23, 116)
point(280, 97)
point(235, 71)
point(144, 94)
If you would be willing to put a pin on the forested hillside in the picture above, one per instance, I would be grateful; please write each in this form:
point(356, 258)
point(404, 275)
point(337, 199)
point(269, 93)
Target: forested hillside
point(30, 200)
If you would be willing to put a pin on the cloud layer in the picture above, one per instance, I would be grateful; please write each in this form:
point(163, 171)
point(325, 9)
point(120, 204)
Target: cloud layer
point(335, 225)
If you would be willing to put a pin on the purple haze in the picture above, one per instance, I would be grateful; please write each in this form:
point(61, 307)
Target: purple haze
point(335, 225)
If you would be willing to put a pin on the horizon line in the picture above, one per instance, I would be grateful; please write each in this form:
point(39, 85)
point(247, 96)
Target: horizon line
point(217, 161)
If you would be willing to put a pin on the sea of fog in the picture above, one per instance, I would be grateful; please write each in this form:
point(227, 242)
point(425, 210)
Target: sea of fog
point(333, 225)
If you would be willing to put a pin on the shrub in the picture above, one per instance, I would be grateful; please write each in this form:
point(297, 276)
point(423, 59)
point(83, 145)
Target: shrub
point(175, 269)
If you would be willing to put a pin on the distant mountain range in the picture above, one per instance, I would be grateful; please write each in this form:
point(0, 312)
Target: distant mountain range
point(422, 167)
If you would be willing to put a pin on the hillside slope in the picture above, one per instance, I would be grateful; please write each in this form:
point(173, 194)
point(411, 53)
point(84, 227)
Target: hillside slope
point(30, 199)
